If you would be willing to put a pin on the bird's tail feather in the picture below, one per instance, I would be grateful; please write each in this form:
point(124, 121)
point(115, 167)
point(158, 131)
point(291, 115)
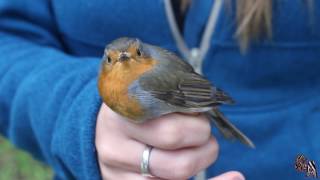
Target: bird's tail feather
point(227, 129)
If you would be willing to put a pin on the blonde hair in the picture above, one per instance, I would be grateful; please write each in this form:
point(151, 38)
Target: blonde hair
point(254, 19)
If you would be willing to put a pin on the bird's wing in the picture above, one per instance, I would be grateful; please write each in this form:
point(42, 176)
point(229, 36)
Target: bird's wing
point(169, 60)
point(182, 89)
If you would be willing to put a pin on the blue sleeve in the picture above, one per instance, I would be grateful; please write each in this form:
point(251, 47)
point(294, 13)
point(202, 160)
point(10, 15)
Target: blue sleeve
point(48, 99)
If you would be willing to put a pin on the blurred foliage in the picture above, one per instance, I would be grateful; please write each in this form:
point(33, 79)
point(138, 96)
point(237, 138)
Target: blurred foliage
point(18, 165)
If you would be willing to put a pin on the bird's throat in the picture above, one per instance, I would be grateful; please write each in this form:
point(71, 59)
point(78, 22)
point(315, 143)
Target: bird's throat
point(113, 87)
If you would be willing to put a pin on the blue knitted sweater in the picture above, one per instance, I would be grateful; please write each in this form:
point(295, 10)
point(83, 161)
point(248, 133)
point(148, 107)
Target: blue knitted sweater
point(49, 59)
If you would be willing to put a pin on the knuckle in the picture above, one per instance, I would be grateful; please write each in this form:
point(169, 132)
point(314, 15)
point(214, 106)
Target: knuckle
point(183, 169)
point(106, 175)
point(172, 136)
point(213, 149)
point(107, 154)
point(206, 124)
point(204, 127)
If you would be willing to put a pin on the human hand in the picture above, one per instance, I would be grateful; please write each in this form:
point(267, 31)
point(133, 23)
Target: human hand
point(183, 146)
point(231, 175)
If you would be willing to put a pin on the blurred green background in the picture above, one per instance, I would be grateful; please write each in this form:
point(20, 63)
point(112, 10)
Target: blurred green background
point(18, 165)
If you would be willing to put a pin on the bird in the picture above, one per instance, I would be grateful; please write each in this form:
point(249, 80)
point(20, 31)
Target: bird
point(141, 82)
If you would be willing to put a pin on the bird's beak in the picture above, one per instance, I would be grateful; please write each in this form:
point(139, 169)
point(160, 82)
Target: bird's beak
point(124, 56)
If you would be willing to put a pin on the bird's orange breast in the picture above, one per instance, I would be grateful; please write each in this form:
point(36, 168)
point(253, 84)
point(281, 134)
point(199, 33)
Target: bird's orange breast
point(113, 86)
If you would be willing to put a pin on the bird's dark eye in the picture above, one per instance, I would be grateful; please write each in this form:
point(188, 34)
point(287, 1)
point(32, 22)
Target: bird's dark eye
point(138, 52)
point(109, 60)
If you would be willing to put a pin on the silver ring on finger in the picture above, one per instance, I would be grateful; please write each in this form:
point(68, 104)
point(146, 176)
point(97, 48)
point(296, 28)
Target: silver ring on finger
point(145, 161)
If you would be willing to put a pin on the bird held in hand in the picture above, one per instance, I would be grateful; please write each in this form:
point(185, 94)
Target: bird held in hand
point(142, 81)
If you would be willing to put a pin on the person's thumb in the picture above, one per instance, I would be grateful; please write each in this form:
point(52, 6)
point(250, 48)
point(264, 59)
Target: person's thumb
point(231, 175)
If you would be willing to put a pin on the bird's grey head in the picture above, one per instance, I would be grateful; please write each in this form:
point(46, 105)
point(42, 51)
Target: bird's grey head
point(122, 44)
point(125, 48)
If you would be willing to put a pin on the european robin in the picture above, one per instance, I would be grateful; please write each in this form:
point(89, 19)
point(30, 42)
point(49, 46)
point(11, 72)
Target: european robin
point(142, 81)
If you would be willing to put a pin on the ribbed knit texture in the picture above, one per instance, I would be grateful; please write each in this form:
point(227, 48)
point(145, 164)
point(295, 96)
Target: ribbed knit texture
point(49, 60)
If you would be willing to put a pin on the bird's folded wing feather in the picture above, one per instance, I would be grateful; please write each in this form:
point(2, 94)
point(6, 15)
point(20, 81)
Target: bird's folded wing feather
point(182, 89)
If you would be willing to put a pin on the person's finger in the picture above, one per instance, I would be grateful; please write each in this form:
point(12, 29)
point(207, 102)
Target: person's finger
point(113, 173)
point(172, 131)
point(167, 164)
point(231, 175)
point(183, 163)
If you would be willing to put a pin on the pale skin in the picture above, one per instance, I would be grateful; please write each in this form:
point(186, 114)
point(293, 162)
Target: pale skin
point(183, 146)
